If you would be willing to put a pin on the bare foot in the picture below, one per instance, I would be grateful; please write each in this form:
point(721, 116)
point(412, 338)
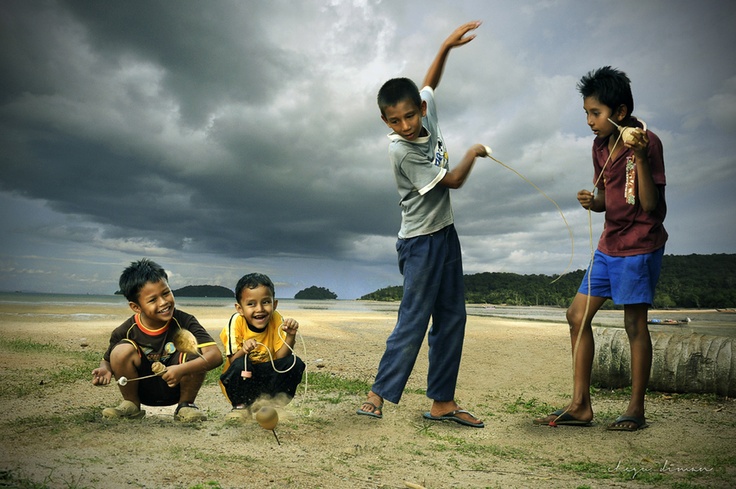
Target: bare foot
point(567, 416)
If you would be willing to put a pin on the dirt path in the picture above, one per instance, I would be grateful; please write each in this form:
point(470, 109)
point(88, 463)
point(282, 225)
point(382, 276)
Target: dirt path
point(512, 371)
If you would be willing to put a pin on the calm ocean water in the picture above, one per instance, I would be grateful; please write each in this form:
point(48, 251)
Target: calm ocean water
point(86, 308)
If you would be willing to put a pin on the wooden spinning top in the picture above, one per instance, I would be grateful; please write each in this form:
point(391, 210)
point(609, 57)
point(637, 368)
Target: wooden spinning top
point(267, 417)
point(185, 341)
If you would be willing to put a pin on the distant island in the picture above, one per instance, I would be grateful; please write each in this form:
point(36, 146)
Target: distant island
point(204, 291)
point(315, 293)
point(200, 291)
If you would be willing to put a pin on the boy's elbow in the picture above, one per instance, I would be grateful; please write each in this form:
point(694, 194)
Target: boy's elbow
point(214, 358)
point(451, 181)
point(650, 204)
point(649, 207)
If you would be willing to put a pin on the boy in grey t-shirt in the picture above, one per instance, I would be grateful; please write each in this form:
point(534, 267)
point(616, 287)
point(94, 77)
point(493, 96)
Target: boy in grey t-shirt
point(428, 247)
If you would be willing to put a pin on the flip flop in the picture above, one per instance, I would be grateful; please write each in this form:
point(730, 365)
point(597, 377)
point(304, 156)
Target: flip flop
point(562, 418)
point(640, 423)
point(453, 416)
point(373, 413)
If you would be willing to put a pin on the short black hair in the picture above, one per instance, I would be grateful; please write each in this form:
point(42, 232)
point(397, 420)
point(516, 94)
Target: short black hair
point(251, 281)
point(610, 86)
point(395, 90)
point(138, 274)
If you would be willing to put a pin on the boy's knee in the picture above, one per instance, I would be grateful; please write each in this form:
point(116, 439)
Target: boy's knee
point(193, 378)
point(122, 352)
point(574, 318)
point(636, 329)
point(635, 322)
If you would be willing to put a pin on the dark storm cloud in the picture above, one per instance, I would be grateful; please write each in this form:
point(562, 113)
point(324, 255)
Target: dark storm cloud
point(231, 132)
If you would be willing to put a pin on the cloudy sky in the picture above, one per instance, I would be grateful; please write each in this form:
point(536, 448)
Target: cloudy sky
point(224, 137)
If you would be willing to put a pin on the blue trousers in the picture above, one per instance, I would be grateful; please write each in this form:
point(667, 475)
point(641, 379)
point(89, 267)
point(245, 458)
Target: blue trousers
point(433, 288)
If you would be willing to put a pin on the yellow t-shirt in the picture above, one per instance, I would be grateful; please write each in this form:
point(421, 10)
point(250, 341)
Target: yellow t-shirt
point(237, 332)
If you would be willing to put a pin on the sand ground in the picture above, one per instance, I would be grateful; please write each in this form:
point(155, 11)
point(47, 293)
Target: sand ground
point(512, 371)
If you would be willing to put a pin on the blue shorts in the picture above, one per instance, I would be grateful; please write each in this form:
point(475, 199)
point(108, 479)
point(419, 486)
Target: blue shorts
point(624, 279)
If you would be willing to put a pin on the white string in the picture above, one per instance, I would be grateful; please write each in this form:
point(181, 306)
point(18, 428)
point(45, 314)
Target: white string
point(273, 364)
point(569, 230)
point(590, 269)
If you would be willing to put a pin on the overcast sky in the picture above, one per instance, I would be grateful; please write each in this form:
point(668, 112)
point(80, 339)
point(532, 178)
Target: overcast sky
point(223, 137)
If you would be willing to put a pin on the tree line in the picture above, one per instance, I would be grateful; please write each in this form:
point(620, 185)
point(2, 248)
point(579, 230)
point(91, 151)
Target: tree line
point(686, 281)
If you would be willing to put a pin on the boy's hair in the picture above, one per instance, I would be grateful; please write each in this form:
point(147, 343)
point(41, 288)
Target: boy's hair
point(251, 281)
point(610, 86)
point(395, 90)
point(138, 274)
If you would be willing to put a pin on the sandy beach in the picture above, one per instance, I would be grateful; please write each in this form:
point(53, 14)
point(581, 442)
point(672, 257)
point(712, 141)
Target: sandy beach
point(512, 371)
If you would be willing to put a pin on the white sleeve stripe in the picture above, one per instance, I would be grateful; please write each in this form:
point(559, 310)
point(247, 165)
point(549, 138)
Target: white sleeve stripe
point(434, 182)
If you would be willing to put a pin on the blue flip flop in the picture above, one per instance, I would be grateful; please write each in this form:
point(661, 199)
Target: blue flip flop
point(373, 413)
point(453, 416)
point(563, 419)
point(640, 423)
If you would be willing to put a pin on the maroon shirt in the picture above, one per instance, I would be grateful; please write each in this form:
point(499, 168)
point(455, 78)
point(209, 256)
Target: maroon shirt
point(628, 229)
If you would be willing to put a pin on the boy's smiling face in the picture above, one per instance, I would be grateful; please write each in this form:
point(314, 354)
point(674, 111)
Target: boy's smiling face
point(256, 306)
point(155, 304)
point(405, 118)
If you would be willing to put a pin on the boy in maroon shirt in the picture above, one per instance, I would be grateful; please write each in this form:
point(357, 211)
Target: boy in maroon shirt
point(630, 180)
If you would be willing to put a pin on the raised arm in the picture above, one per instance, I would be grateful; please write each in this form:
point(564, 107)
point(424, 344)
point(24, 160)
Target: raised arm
point(457, 38)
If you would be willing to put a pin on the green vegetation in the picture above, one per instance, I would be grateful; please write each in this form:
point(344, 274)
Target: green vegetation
point(688, 281)
point(315, 293)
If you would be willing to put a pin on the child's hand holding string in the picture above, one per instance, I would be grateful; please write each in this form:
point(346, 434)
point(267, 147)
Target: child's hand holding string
point(290, 326)
point(249, 345)
point(586, 197)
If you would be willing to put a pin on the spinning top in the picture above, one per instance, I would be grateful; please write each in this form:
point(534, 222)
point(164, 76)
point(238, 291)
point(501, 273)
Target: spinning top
point(185, 341)
point(268, 418)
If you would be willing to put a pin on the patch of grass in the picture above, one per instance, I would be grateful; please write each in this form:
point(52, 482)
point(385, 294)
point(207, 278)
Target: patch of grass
point(20, 345)
point(533, 407)
point(462, 446)
point(689, 396)
point(327, 382)
point(624, 393)
point(608, 393)
point(213, 376)
point(71, 367)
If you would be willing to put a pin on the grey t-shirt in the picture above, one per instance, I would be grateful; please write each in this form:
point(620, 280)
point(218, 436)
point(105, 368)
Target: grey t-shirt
point(418, 168)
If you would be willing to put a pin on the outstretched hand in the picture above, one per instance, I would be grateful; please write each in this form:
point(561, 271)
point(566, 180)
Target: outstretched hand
point(458, 37)
point(101, 376)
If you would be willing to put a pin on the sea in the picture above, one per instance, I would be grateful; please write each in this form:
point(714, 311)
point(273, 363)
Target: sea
point(86, 307)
